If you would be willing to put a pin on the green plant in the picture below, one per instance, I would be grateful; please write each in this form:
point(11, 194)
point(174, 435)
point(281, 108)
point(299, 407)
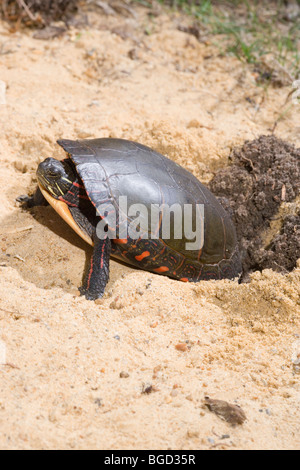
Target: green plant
point(247, 29)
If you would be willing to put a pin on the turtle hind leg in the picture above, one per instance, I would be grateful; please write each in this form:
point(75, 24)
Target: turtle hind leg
point(98, 274)
point(37, 199)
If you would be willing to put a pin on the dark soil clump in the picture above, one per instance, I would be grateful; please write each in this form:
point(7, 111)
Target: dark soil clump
point(37, 13)
point(264, 173)
point(284, 250)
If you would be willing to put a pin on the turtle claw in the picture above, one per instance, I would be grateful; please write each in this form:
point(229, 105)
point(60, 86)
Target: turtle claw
point(37, 199)
point(90, 295)
point(25, 200)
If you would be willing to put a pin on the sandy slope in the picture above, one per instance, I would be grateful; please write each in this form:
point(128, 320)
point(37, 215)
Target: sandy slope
point(61, 386)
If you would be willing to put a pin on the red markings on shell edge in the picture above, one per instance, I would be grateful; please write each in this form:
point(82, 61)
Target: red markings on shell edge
point(121, 241)
point(162, 269)
point(184, 279)
point(142, 256)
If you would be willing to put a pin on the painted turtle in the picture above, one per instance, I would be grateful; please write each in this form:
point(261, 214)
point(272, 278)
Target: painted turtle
point(87, 189)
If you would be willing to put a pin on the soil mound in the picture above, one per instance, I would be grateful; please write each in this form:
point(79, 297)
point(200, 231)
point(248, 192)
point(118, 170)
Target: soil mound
point(264, 176)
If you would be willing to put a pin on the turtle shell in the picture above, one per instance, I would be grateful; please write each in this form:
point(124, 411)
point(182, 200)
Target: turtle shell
point(114, 168)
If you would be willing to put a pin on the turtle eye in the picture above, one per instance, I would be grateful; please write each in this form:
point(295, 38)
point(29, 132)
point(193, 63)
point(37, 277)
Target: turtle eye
point(52, 168)
point(54, 171)
point(55, 175)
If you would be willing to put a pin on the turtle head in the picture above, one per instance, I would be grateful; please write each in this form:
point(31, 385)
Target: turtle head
point(55, 176)
point(55, 179)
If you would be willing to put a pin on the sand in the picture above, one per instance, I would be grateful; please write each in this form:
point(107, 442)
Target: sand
point(73, 372)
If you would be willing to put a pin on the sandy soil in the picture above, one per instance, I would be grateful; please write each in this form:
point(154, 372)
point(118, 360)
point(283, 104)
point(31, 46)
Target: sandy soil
point(60, 379)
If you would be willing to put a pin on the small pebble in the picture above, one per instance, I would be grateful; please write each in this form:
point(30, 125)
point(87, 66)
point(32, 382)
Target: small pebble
point(148, 388)
point(191, 433)
point(124, 375)
point(98, 402)
point(94, 103)
point(140, 292)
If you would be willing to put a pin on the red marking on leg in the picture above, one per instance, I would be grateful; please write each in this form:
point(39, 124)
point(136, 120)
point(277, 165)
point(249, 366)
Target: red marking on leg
point(78, 185)
point(92, 265)
point(102, 255)
point(162, 269)
point(67, 202)
point(77, 195)
point(142, 256)
point(91, 272)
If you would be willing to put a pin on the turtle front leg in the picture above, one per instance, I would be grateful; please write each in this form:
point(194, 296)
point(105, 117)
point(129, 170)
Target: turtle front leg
point(37, 199)
point(98, 274)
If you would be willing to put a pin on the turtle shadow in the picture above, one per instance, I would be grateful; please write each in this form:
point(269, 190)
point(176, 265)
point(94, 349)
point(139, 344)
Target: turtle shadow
point(47, 217)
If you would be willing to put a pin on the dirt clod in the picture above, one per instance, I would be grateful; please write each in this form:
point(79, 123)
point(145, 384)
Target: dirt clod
point(233, 414)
